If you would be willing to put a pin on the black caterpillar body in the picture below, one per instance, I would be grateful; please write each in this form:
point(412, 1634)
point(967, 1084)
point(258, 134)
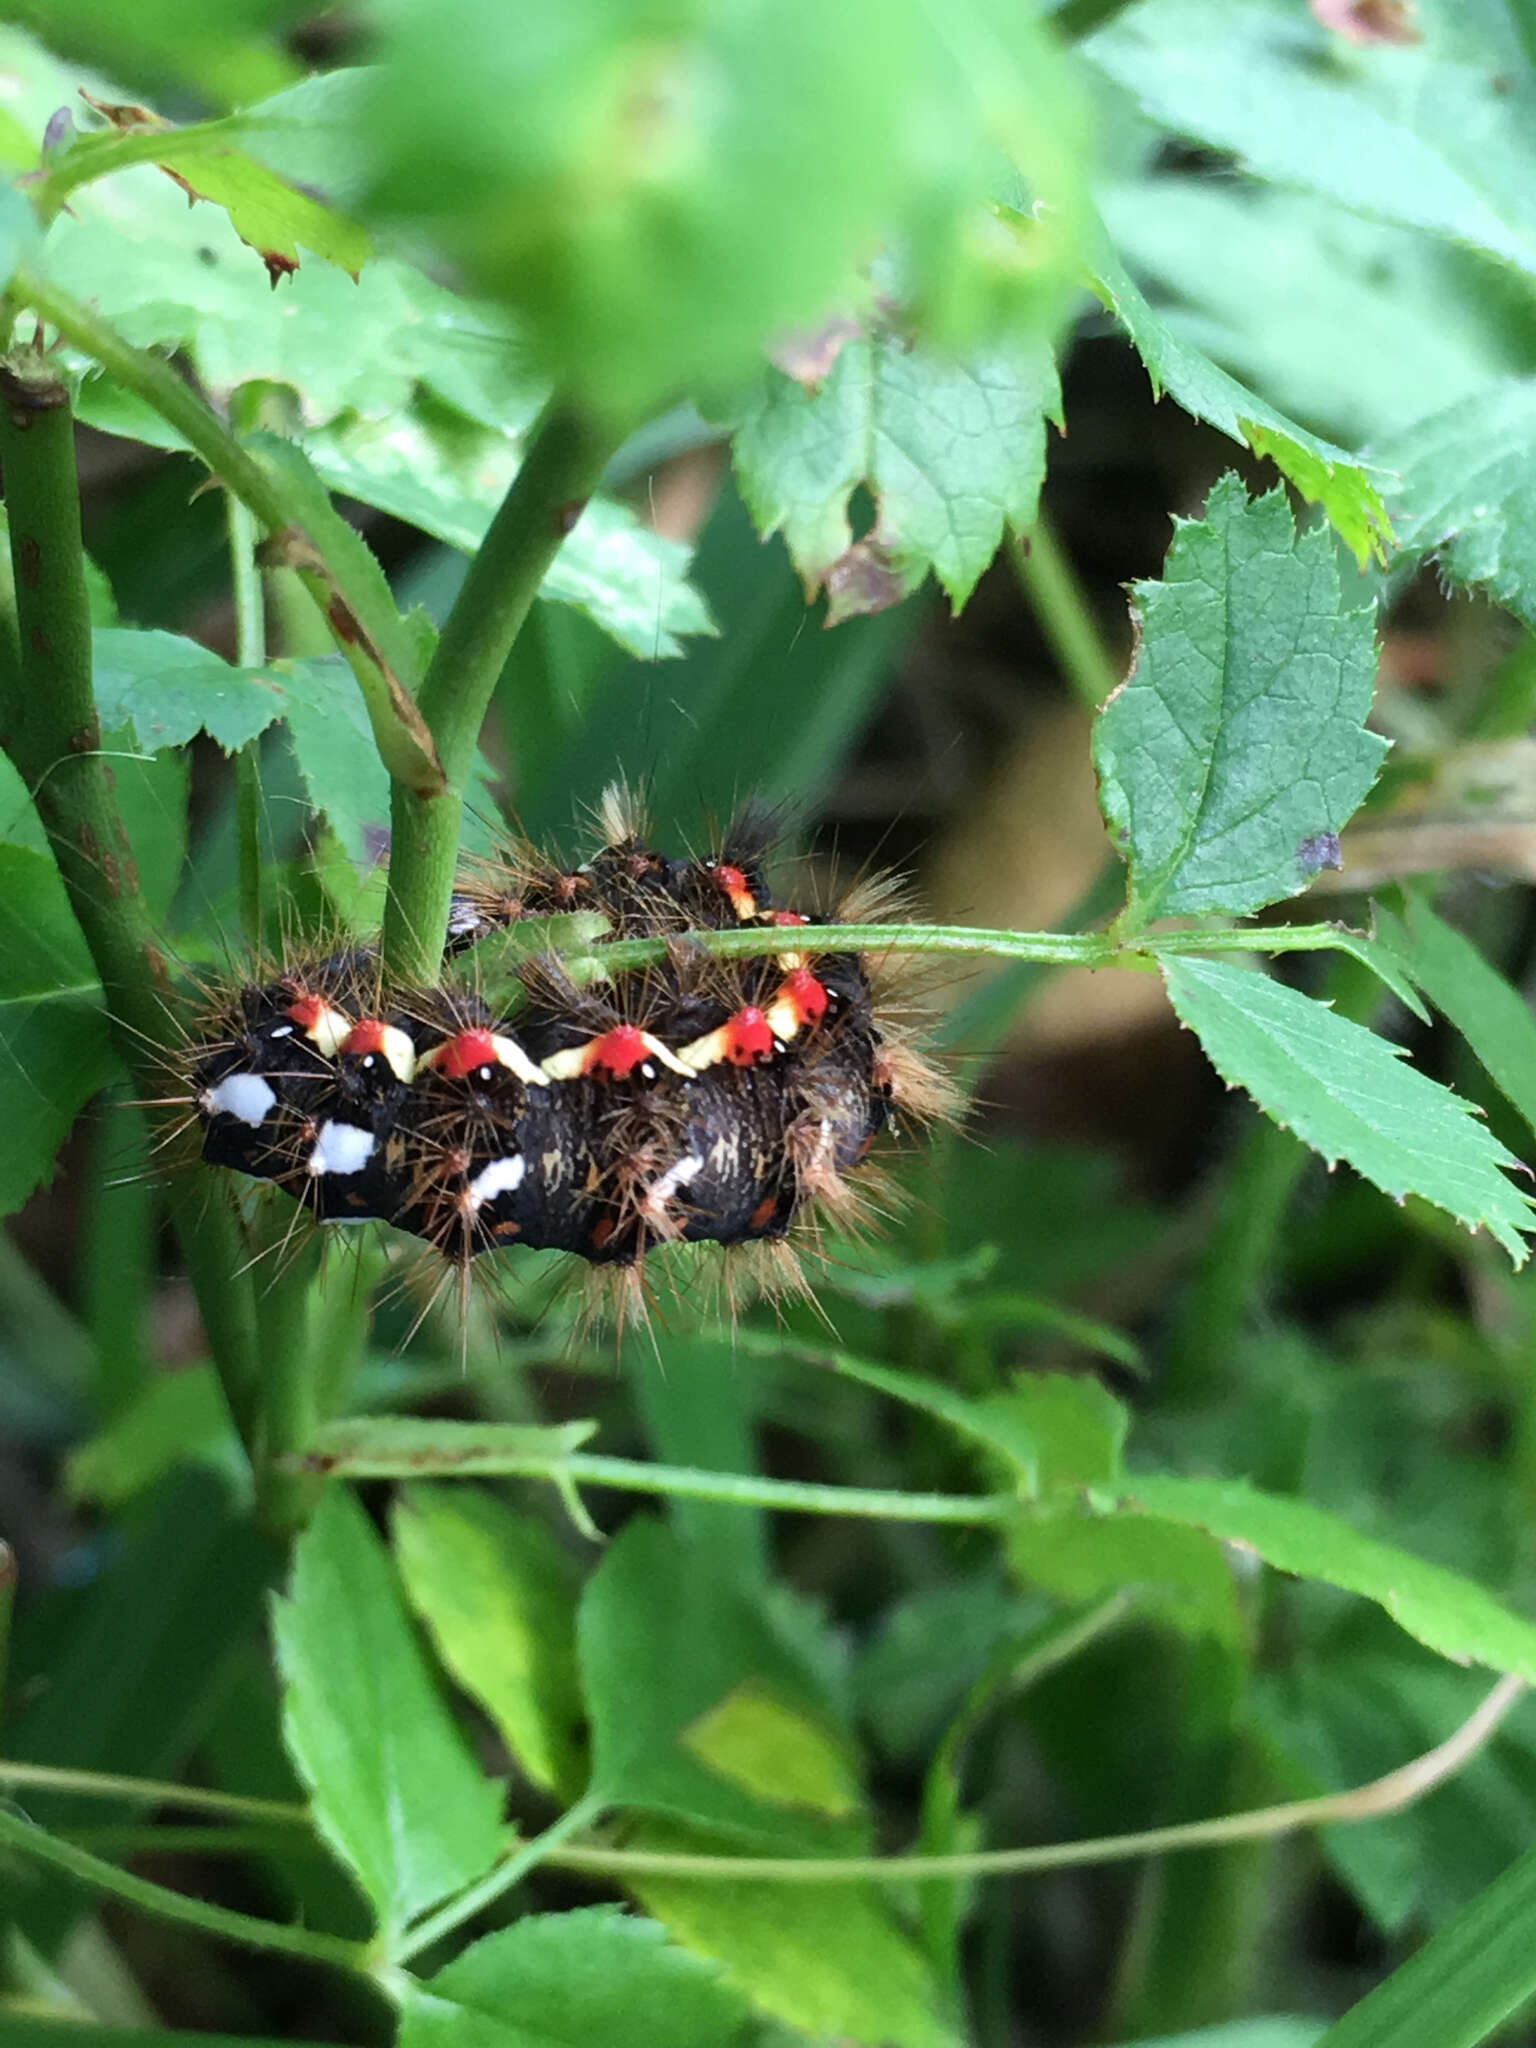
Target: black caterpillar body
point(694, 1100)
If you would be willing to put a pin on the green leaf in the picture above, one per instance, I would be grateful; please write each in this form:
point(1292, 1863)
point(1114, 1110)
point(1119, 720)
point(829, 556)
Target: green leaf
point(394, 1788)
point(1349, 1094)
point(1177, 1573)
point(22, 2032)
point(829, 1960)
point(951, 449)
point(699, 1710)
point(1477, 1972)
point(1491, 1015)
point(1076, 1425)
point(1327, 476)
point(645, 264)
point(18, 230)
point(498, 1595)
point(1447, 1612)
point(177, 1418)
point(1466, 491)
point(1265, 2033)
point(1431, 136)
point(1235, 752)
point(269, 214)
point(1265, 281)
point(54, 1049)
point(572, 1980)
point(163, 689)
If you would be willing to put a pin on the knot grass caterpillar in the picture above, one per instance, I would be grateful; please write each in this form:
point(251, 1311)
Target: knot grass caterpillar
point(693, 1100)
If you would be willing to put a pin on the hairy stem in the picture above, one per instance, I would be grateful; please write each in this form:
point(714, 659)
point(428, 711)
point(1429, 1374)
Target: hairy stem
point(54, 737)
point(564, 459)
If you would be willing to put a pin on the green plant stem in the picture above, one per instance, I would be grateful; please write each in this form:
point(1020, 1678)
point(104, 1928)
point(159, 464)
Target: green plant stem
point(1071, 949)
point(1390, 1794)
point(633, 1475)
point(496, 1883)
point(1057, 601)
point(151, 1792)
point(219, 1921)
point(343, 597)
point(250, 652)
point(563, 462)
point(54, 737)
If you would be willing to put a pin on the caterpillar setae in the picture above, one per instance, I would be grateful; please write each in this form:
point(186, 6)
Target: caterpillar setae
point(694, 1100)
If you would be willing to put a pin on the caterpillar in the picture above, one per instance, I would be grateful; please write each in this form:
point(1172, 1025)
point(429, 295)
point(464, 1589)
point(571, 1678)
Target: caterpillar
point(695, 1100)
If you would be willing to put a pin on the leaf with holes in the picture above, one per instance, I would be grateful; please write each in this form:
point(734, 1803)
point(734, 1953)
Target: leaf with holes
point(951, 449)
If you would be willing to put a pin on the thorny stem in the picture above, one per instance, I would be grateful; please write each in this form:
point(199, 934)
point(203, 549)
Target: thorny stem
point(52, 733)
point(562, 465)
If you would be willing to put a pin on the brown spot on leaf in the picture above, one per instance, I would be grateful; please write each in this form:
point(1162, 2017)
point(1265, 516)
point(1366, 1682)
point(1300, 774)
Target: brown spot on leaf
point(568, 514)
point(280, 266)
point(862, 581)
point(1368, 21)
point(807, 354)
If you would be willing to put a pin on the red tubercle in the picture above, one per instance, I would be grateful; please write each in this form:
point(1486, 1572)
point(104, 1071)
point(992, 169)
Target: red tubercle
point(306, 1011)
point(806, 996)
point(787, 917)
point(734, 884)
point(366, 1035)
point(466, 1051)
point(618, 1052)
point(749, 1037)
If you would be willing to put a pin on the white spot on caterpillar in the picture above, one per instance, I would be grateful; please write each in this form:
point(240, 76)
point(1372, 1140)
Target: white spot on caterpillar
point(341, 1148)
point(516, 1061)
point(281, 1031)
point(246, 1097)
point(678, 1176)
point(501, 1177)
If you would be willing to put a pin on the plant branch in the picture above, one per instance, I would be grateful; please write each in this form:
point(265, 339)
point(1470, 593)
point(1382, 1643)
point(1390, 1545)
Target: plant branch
point(250, 652)
point(497, 1882)
point(1071, 949)
point(1390, 1794)
point(351, 609)
point(1057, 601)
point(151, 1792)
point(54, 738)
point(86, 1869)
point(633, 1475)
point(562, 464)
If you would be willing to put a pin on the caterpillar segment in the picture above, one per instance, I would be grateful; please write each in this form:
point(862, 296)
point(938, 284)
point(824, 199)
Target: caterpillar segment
point(693, 1101)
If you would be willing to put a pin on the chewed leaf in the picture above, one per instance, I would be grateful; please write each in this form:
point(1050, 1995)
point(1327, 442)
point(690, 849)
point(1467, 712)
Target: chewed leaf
point(1236, 751)
point(951, 449)
point(1350, 1095)
point(270, 215)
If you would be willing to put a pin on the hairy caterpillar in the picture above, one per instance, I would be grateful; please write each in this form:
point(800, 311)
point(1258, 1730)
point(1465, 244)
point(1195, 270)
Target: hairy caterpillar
point(693, 1100)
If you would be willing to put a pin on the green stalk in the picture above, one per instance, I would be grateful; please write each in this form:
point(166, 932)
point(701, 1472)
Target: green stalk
point(250, 652)
point(86, 1869)
point(54, 737)
point(1062, 612)
point(564, 460)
